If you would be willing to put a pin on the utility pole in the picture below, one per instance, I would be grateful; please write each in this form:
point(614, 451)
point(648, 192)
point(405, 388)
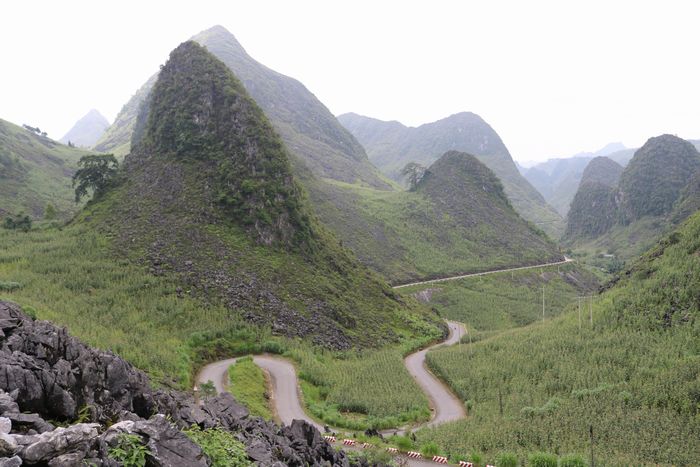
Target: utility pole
point(579, 313)
point(592, 458)
point(590, 308)
point(543, 303)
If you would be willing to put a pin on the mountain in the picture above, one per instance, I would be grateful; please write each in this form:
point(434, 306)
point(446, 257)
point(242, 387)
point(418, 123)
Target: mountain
point(87, 130)
point(602, 170)
point(349, 196)
point(625, 214)
point(306, 126)
point(391, 145)
point(208, 194)
point(557, 179)
point(594, 208)
point(35, 171)
point(623, 366)
point(654, 178)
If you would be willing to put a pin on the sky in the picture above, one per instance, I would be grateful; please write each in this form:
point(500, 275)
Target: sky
point(553, 78)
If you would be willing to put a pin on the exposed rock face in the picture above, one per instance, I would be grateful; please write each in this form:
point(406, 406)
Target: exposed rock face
point(48, 373)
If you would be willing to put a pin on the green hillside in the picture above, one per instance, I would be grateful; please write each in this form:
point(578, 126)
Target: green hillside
point(206, 245)
point(653, 194)
point(346, 192)
point(35, 171)
point(632, 376)
point(458, 220)
point(390, 146)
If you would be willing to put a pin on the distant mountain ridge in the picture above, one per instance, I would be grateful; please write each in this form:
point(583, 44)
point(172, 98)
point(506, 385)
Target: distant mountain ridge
point(621, 208)
point(86, 131)
point(391, 145)
point(557, 179)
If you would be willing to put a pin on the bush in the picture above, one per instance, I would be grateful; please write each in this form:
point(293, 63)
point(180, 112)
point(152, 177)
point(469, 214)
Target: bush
point(404, 443)
point(9, 286)
point(129, 450)
point(542, 459)
point(429, 449)
point(19, 222)
point(222, 448)
point(507, 459)
point(572, 460)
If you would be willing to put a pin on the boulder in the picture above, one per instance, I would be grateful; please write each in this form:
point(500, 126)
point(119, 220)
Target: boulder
point(77, 438)
point(10, 462)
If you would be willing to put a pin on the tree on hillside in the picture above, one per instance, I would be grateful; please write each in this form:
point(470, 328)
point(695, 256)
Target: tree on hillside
point(19, 222)
point(414, 172)
point(95, 173)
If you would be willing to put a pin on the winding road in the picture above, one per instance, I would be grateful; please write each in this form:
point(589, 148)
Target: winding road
point(286, 398)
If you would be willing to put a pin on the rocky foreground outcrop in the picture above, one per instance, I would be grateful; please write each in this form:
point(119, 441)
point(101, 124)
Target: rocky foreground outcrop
point(49, 378)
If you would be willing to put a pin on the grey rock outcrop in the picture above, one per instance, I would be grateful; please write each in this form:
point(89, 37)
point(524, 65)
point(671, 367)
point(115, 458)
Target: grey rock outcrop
point(46, 373)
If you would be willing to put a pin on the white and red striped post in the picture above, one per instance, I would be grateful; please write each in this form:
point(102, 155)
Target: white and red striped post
point(440, 459)
point(392, 450)
point(465, 464)
point(329, 438)
point(414, 455)
point(349, 442)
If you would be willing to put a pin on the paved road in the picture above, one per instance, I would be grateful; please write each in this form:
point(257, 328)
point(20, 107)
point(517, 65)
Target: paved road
point(485, 273)
point(285, 388)
point(446, 406)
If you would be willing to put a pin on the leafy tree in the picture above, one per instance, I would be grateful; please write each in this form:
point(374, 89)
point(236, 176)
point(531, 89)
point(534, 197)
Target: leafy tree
point(50, 212)
point(415, 173)
point(96, 172)
point(20, 222)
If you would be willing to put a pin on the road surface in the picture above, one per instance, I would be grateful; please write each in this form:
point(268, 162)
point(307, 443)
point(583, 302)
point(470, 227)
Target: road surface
point(485, 273)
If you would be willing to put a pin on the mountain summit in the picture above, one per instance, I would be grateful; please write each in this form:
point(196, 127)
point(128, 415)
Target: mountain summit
point(87, 130)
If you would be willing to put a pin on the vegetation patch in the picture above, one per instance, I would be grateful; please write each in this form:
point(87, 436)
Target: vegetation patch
point(222, 447)
point(248, 385)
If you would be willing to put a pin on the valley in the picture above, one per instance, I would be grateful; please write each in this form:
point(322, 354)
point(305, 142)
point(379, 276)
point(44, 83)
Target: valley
point(224, 273)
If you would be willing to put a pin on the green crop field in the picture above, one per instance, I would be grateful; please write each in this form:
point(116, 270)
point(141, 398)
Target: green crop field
point(509, 299)
point(632, 377)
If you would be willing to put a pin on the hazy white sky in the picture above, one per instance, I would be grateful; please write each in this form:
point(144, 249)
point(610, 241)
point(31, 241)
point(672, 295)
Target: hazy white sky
point(551, 77)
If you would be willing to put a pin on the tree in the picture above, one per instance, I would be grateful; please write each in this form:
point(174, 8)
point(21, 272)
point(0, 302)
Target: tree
point(415, 173)
point(96, 172)
point(20, 222)
point(50, 212)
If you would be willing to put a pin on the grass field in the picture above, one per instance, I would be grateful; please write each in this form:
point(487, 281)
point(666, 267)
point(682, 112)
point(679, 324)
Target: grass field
point(511, 299)
point(248, 385)
point(633, 377)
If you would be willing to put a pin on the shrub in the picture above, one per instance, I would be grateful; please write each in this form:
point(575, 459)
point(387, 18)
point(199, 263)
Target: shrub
point(9, 286)
point(429, 449)
point(129, 450)
point(19, 222)
point(542, 459)
point(222, 448)
point(572, 460)
point(507, 459)
point(403, 442)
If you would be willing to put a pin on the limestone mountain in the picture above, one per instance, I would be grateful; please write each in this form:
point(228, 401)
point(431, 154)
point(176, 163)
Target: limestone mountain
point(654, 178)
point(208, 194)
point(557, 179)
point(391, 145)
point(87, 130)
point(625, 211)
point(465, 190)
point(305, 125)
point(594, 208)
point(349, 196)
point(35, 171)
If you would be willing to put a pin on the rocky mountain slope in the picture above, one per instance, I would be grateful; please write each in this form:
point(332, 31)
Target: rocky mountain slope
point(652, 191)
point(557, 179)
point(63, 403)
point(391, 145)
point(342, 185)
point(87, 130)
point(208, 194)
point(35, 171)
point(593, 209)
